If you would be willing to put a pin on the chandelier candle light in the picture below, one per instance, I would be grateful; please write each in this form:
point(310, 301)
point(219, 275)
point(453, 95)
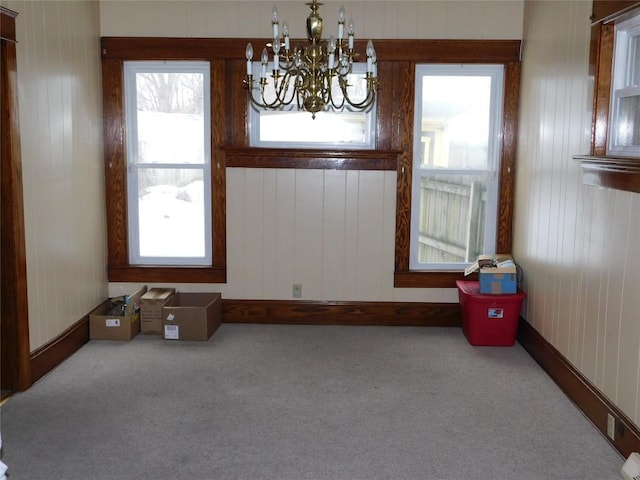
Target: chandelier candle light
point(307, 73)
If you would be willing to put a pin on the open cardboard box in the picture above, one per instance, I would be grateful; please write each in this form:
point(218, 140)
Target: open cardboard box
point(105, 326)
point(151, 309)
point(191, 316)
point(497, 274)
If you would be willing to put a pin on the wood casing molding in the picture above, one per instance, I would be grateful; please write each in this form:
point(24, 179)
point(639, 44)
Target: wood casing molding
point(606, 10)
point(14, 335)
point(7, 24)
point(341, 313)
point(586, 396)
point(230, 138)
point(404, 277)
point(53, 353)
point(580, 390)
point(598, 168)
point(56, 351)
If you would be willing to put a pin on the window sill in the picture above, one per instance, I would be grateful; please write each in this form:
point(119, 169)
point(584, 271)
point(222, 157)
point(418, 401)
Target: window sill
point(251, 157)
point(152, 274)
point(621, 173)
point(418, 279)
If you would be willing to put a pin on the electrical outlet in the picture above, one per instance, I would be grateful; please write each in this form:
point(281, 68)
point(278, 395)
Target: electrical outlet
point(297, 290)
point(611, 426)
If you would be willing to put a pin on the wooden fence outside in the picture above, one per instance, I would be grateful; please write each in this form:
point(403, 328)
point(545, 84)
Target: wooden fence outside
point(451, 223)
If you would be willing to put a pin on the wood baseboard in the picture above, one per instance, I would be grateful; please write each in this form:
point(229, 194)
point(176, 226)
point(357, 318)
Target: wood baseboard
point(591, 401)
point(341, 313)
point(53, 353)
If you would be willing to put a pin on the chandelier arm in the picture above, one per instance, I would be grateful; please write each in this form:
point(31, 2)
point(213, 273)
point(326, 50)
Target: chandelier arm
point(364, 104)
point(344, 93)
point(283, 87)
point(307, 73)
point(367, 101)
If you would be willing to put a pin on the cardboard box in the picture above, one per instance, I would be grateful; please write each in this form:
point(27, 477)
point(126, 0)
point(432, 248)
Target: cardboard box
point(191, 316)
point(151, 309)
point(488, 320)
point(497, 274)
point(103, 326)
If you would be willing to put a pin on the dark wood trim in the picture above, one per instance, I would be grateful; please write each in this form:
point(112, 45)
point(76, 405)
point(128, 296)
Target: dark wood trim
point(341, 313)
point(7, 24)
point(404, 77)
point(417, 279)
point(219, 102)
point(14, 326)
point(127, 273)
point(613, 172)
point(53, 353)
point(115, 161)
point(509, 147)
point(598, 168)
point(603, 58)
point(403, 276)
point(593, 403)
point(608, 10)
point(56, 351)
point(396, 64)
point(387, 50)
point(311, 158)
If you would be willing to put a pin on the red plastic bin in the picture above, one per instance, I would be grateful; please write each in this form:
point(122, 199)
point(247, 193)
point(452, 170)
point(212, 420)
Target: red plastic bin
point(489, 320)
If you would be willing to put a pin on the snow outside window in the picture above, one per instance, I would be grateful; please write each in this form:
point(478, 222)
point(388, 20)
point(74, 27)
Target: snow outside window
point(168, 162)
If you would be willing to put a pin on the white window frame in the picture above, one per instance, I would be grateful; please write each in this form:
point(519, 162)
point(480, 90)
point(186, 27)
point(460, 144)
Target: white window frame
point(254, 123)
point(496, 72)
point(622, 85)
point(131, 68)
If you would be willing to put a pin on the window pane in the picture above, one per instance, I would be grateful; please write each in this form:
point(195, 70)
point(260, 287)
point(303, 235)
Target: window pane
point(455, 121)
point(628, 127)
point(290, 127)
point(327, 127)
point(171, 212)
point(170, 117)
point(452, 215)
point(624, 114)
point(168, 153)
point(455, 162)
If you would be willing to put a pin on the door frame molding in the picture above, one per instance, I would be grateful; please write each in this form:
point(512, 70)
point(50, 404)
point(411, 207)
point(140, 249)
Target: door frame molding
point(14, 327)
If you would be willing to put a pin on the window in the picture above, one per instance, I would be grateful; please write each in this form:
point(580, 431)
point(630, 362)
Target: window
point(614, 157)
point(230, 143)
point(290, 128)
point(455, 164)
point(624, 135)
point(167, 109)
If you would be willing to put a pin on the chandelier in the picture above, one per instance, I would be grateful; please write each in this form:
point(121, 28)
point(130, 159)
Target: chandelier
point(316, 75)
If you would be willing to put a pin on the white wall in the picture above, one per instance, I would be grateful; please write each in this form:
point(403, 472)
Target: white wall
point(331, 231)
point(497, 19)
point(60, 111)
point(576, 243)
point(61, 137)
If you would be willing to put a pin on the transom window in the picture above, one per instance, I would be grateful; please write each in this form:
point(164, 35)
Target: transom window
point(289, 128)
point(455, 168)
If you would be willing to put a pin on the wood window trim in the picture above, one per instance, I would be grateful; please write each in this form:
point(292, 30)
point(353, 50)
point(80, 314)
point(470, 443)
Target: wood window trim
point(15, 365)
point(598, 168)
point(404, 277)
point(119, 269)
point(230, 139)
